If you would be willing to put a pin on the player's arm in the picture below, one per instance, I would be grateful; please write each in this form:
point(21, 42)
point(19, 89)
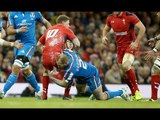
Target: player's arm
point(150, 54)
point(156, 38)
point(40, 46)
point(141, 31)
point(41, 42)
point(105, 31)
point(157, 47)
point(152, 41)
point(61, 83)
point(76, 43)
point(72, 37)
point(46, 23)
point(3, 33)
point(16, 44)
point(11, 30)
point(41, 19)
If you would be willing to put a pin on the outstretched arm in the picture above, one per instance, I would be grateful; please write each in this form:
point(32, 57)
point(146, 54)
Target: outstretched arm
point(16, 44)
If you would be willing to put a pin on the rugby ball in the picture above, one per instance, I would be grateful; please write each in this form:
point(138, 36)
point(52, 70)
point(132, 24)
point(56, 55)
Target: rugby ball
point(68, 45)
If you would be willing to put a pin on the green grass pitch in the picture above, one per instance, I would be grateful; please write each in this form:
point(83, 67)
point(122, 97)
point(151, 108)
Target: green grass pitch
point(78, 102)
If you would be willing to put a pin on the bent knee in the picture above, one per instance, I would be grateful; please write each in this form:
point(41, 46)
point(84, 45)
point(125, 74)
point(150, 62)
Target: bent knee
point(26, 72)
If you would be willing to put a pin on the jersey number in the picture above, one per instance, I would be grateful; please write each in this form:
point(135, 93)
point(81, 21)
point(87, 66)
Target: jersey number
point(51, 33)
point(82, 64)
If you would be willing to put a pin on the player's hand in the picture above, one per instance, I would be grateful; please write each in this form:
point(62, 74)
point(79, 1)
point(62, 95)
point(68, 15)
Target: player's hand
point(133, 45)
point(149, 55)
point(151, 42)
point(53, 72)
point(105, 40)
point(23, 29)
point(17, 44)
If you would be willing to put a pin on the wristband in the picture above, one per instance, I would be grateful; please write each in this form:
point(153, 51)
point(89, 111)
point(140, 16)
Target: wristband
point(155, 50)
point(17, 30)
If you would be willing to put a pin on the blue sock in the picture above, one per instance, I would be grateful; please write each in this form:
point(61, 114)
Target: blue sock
point(88, 90)
point(112, 94)
point(10, 81)
point(32, 80)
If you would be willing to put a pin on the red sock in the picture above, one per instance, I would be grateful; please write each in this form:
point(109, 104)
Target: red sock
point(67, 90)
point(155, 81)
point(128, 82)
point(132, 77)
point(45, 83)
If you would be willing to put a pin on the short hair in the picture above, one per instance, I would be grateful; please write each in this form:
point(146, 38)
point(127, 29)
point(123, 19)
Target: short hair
point(62, 18)
point(64, 58)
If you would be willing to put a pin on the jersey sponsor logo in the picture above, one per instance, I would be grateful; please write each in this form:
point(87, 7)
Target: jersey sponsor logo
point(124, 21)
point(120, 33)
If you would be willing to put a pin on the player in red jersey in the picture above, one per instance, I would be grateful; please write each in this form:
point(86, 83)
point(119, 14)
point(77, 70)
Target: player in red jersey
point(123, 24)
point(155, 72)
point(53, 40)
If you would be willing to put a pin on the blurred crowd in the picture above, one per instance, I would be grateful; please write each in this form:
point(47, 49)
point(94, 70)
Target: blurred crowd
point(88, 27)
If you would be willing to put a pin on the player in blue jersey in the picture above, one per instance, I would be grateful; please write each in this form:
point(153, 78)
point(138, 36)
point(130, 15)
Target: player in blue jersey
point(85, 73)
point(22, 25)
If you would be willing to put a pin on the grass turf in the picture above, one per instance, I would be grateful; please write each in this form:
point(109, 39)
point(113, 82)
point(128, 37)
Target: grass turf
point(78, 102)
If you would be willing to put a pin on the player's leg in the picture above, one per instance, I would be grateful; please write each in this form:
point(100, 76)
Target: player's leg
point(131, 77)
point(100, 95)
point(60, 75)
point(45, 84)
point(48, 61)
point(155, 79)
point(17, 65)
point(11, 79)
point(82, 86)
point(96, 86)
point(26, 70)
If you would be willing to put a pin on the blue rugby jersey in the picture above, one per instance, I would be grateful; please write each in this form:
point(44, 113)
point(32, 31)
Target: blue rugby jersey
point(77, 68)
point(19, 19)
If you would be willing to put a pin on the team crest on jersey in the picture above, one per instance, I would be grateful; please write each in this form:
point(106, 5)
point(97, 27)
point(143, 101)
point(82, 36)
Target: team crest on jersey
point(124, 21)
point(32, 15)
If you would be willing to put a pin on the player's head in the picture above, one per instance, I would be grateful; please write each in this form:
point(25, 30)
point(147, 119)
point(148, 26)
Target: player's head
point(62, 61)
point(63, 19)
